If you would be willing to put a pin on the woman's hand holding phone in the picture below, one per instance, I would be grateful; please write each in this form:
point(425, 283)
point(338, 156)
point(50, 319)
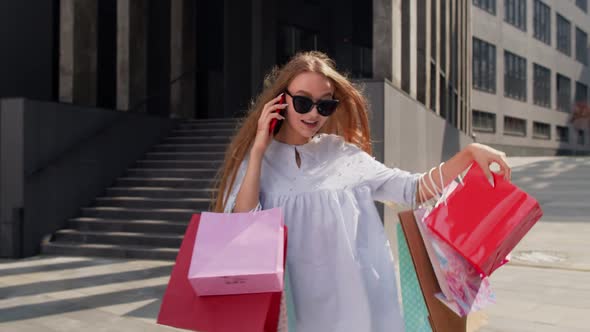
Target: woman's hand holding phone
point(270, 113)
point(273, 122)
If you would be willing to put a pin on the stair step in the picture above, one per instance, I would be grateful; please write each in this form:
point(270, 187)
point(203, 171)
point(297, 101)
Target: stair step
point(189, 148)
point(154, 203)
point(133, 226)
point(159, 192)
point(106, 250)
point(195, 156)
point(146, 212)
point(118, 238)
point(203, 132)
point(165, 182)
point(107, 212)
point(197, 140)
point(195, 173)
point(179, 164)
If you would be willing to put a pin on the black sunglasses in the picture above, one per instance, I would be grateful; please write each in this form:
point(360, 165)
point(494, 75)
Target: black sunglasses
point(304, 105)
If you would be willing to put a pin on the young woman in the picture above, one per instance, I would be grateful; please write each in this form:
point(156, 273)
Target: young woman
point(318, 168)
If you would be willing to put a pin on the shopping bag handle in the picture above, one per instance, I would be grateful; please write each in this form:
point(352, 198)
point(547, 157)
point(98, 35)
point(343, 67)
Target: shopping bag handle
point(477, 174)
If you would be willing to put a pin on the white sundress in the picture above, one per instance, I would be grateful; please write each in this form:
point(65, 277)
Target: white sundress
point(340, 266)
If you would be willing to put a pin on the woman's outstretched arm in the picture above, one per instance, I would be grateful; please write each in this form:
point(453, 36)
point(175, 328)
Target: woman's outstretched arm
point(481, 154)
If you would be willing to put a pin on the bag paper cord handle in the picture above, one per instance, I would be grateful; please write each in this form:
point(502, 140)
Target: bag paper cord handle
point(438, 190)
point(442, 183)
point(421, 191)
point(434, 195)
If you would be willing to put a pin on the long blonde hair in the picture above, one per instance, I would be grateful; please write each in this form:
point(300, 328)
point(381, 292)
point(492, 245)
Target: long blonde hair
point(349, 121)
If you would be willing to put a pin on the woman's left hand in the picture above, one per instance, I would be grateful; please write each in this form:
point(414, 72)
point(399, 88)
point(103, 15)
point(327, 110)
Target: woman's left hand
point(485, 156)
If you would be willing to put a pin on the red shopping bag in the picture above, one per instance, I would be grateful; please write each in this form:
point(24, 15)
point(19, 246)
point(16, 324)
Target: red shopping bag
point(484, 222)
point(181, 308)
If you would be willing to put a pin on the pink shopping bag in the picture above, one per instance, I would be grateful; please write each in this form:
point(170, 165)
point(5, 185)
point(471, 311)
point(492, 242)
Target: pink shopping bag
point(182, 308)
point(238, 253)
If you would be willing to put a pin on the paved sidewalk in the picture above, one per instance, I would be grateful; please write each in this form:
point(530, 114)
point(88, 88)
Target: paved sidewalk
point(81, 294)
point(546, 287)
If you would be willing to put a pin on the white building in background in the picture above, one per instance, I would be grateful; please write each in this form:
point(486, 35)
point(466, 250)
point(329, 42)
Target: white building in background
point(530, 68)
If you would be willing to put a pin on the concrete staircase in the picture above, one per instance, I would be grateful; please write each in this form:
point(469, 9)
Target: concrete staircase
point(146, 211)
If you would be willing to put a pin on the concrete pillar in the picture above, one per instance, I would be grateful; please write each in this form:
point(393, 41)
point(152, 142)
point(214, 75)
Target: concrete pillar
point(463, 66)
point(384, 40)
point(78, 51)
point(182, 58)
point(131, 53)
point(342, 35)
point(264, 41)
point(437, 54)
point(427, 51)
point(447, 50)
point(397, 42)
point(387, 40)
point(12, 190)
point(413, 49)
point(422, 50)
point(237, 57)
point(66, 51)
point(258, 29)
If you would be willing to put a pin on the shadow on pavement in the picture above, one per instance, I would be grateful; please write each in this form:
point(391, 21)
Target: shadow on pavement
point(83, 282)
point(150, 310)
point(54, 267)
point(14, 308)
point(57, 307)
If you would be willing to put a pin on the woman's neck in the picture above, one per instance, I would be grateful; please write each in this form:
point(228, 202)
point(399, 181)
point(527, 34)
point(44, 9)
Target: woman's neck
point(289, 136)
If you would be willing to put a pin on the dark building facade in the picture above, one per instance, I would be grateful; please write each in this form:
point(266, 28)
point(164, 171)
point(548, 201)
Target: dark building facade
point(204, 59)
point(88, 89)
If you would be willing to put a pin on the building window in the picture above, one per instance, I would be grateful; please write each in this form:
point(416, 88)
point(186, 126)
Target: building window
point(581, 46)
point(483, 121)
point(515, 13)
point(563, 134)
point(581, 140)
point(581, 93)
point(564, 38)
point(487, 5)
point(541, 130)
point(563, 93)
point(541, 85)
point(514, 126)
point(484, 66)
point(514, 76)
point(542, 22)
point(582, 4)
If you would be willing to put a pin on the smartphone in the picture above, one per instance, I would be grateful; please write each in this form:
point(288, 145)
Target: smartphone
point(275, 124)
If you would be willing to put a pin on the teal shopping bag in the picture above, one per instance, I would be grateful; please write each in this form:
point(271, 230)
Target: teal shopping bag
point(289, 303)
point(414, 308)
